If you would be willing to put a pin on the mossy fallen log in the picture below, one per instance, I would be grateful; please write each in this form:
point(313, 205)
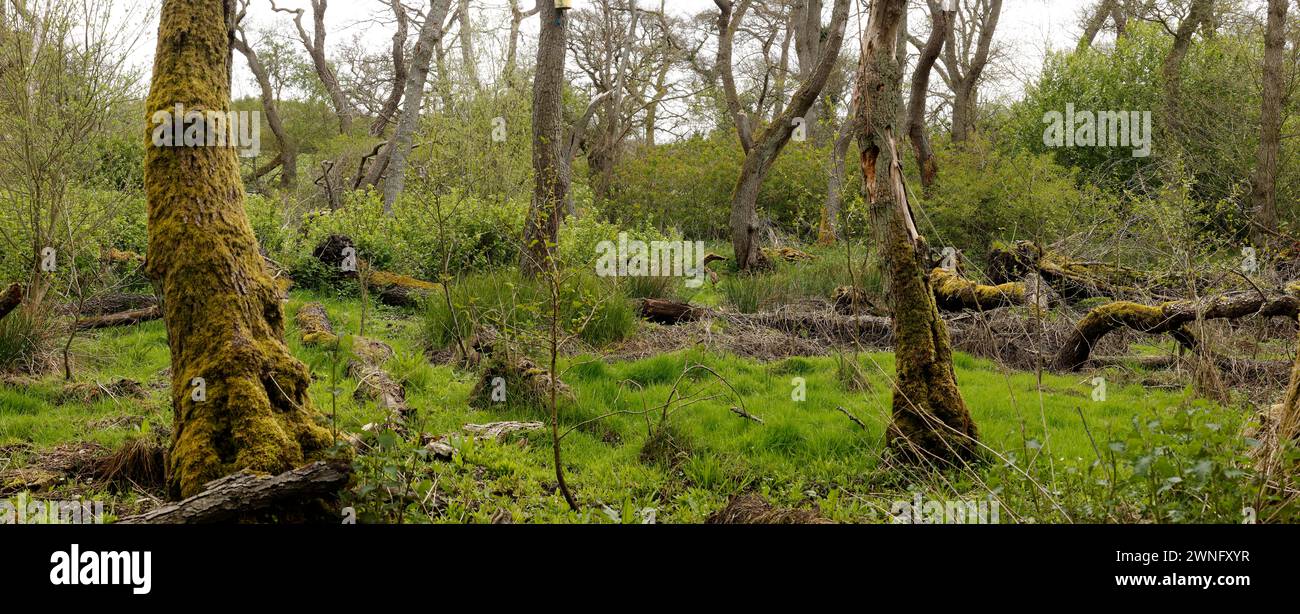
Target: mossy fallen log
point(366, 366)
point(514, 380)
point(125, 318)
point(314, 325)
point(10, 299)
point(246, 494)
point(1074, 280)
point(955, 293)
point(1169, 318)
point(117, 302)
point(399, 290)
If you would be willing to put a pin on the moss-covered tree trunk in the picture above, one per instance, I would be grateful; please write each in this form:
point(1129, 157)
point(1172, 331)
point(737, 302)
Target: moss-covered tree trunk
point(930, 419)
point(239, 397)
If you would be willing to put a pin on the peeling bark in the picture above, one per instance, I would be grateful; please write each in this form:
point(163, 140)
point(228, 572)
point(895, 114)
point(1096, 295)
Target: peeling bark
point(930, 418)
point(224, 319)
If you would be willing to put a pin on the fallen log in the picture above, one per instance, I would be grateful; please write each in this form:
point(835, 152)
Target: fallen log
point(125, 318)
point(1074, 280)
point(391, 288)
point(246, 493)
point(10, 299)
point(314, 325)
point(1168, 318)
point(366, 366)
point(663, 311)
point(399, 290)
point(117, 302)
point(954, 293)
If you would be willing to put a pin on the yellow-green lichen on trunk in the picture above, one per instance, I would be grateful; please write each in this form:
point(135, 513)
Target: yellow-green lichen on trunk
point(239, 397)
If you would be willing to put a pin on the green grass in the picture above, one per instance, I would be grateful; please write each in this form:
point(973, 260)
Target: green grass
point(805, 454)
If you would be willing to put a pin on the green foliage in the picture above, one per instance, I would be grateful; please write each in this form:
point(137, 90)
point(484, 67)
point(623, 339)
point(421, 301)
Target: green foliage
point(590, 307)
point(473, 234)
point(985, 195)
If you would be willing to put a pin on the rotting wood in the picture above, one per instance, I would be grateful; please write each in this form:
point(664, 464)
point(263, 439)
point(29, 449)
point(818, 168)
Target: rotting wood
point(247, 493)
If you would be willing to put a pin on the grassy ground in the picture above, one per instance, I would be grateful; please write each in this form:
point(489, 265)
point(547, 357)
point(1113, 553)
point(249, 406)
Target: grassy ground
point(1056, 452)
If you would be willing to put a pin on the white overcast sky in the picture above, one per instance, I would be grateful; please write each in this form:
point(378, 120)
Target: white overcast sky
point(1027, 30)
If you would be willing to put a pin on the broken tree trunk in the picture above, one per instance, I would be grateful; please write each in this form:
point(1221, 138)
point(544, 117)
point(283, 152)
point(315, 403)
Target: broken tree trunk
point(125, 318)
point(246, 493)
point(1168, 318)
point(10, 299)
point(365, 366)
point(930, 419)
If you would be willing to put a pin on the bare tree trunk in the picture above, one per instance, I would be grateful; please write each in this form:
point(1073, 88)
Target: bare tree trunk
point(761, 151)
point(553, 174)
point(828, 232)
point(1103, 11)
point(394, 101)
point(403, 136)
point(315, 45)
point(964, 73)
point(607, 156)
point(1173, 66)
point(467, 59)
point(809, 48)
point(940, 23)
point(930, 419)
point(1264, 184)
point(288, 158)
point(239, 397)
point(517, 17)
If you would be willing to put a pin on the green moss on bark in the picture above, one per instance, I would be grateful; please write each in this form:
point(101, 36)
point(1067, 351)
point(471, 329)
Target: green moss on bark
point(224, 319)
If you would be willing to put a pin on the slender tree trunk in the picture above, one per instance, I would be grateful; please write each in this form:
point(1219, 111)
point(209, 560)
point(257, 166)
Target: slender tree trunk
point(809, 48)
point(288, 158)
point(1173, 66)
point(239, 397)
point(467, 59)
point(916, 133)
point(930, 420)
point(517, 17)
point(1091, 28)
point(828, 231)
point(394, 101)
point(762, 150)
point(550, 165)
point(403, 136)
point(1264, 183)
